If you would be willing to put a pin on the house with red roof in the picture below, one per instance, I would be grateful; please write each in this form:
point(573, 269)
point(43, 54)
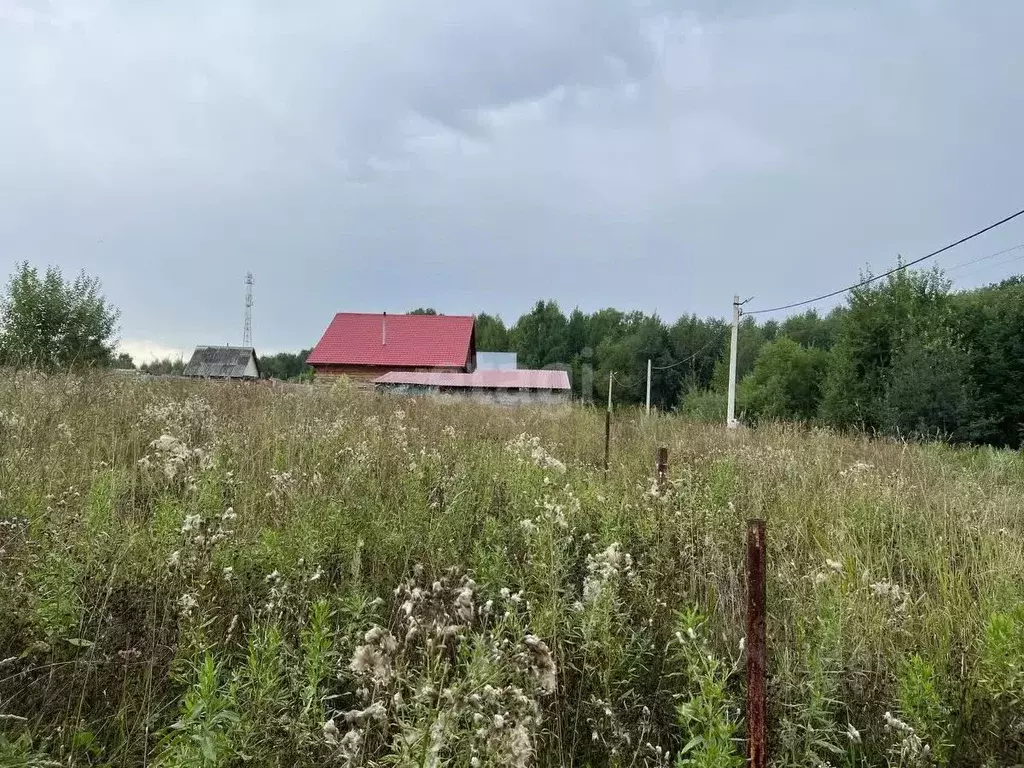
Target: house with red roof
point(365, 346)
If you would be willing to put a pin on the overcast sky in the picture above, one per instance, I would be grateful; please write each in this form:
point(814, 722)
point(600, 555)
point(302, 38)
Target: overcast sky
point(477, 156)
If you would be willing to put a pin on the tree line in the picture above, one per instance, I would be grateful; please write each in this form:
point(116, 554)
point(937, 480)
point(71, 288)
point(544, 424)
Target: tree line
point(906, 355)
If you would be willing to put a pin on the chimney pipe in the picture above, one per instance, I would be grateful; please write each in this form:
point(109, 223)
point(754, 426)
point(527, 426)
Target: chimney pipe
point(384, 331)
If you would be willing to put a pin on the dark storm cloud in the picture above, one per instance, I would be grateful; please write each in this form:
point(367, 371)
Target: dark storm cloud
point(478, 156)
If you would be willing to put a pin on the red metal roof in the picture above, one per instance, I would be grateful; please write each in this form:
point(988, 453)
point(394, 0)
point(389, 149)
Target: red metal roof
point(429, 341)
point(520, 379)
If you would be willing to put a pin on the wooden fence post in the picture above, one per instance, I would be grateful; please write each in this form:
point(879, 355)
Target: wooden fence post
point(756, 651)
point(661, 468)
point(608, 424)
point(607, 437)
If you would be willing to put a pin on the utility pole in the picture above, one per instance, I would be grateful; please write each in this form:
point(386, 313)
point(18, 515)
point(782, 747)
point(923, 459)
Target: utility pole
point(648, 386)
point(730, 419)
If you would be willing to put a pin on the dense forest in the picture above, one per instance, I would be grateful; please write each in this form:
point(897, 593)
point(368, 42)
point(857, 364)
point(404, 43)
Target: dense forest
point(905, 355)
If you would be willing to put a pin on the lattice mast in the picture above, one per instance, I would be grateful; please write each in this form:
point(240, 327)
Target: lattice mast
point(247, 331)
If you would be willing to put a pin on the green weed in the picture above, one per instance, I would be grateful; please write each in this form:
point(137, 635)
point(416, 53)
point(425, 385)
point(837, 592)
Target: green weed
point(196, 574)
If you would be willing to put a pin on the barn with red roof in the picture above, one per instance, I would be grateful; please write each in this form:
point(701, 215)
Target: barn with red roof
point(518, 387)
point(365, 346)
point(427, 355)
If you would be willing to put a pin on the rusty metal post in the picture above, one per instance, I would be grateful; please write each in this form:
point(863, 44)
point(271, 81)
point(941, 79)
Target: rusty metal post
point(756, 651)
point(661, 467)
point(608, 424)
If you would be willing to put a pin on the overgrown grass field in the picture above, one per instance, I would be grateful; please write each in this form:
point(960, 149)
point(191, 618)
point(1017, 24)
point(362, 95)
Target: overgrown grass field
point(204, 575)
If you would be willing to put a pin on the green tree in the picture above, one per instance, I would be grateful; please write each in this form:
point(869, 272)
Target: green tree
point(812, 330)
point(423, 311)
point(285, 365)
point(604, 324)
point(585, 336)
point(123, 360)
point(54, 324)
point(929, 392)
point(880, 318)
point(786, 382)
point(581, 354)
point(491, 334)
point(644, 338)
point(699, 345)
point(989, 322)
point(769, 331)
point(539, 337)
point(577, 333)
point(165, 367)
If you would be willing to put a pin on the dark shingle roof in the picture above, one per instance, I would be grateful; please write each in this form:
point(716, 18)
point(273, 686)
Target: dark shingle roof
point(221, 363)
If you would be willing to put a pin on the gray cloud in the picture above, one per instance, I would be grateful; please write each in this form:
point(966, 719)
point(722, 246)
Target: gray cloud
point(480, 156)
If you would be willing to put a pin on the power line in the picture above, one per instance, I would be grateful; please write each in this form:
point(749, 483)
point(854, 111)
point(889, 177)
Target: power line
point(1000, 263)
point(681, 362)
point(963, 264)
point(892, 271)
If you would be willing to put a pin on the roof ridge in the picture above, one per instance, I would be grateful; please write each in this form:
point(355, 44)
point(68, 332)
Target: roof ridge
point(404, 314)
point(382, 341)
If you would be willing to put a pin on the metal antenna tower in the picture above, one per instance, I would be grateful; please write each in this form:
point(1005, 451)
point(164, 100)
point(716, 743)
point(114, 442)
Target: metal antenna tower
point(247, 331)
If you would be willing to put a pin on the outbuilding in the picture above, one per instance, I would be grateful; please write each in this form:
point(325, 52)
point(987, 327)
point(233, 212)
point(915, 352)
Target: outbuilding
point(519, 387)
point(233, 363)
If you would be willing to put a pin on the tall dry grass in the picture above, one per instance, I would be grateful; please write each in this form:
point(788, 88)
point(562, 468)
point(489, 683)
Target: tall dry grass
point(223, 575)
